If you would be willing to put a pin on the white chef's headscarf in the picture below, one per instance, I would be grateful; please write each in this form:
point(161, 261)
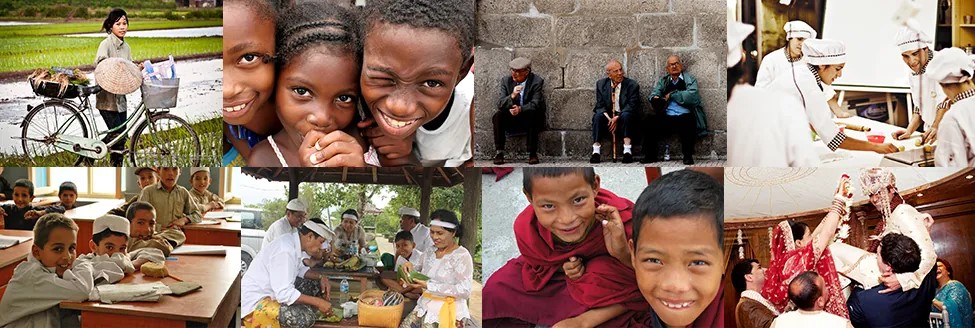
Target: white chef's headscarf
point(951, 65)
point(799, 29)
point(737, 32)
point(824, 52)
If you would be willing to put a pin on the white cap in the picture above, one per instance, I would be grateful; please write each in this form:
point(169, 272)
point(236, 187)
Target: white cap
point(318, 229)
point(114, 223)
point(948, 66)
point(297, 205)
point(737, 32)
point(199, 169)
point(908, 39)
point(824, 52)
point(798, 29)
point(409, 211)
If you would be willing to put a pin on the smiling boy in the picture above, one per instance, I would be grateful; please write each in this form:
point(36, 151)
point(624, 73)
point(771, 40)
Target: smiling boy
point(416, 57)
point(677, 249)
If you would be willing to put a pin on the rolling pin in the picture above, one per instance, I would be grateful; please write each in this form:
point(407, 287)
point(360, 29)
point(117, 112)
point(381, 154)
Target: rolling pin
point(854, 127)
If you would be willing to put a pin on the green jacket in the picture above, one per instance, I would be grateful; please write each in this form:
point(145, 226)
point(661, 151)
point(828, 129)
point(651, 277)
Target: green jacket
point(689, 98)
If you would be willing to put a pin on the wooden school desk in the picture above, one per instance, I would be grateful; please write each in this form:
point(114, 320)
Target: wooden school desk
point(11, 257)
point(214, 305)
point(223, 234)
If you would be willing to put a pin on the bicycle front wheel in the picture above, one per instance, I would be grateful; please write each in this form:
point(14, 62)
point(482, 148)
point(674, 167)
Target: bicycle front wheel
point(43, 126)
point(165, 140)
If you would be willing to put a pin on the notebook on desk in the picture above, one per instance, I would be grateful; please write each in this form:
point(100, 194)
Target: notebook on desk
point(11, 241)
point(199, 250)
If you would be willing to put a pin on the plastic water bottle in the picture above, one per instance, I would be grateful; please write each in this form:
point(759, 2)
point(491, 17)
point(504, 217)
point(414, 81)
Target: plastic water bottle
point(355, 247)
point(344, 291)
point(666, 152)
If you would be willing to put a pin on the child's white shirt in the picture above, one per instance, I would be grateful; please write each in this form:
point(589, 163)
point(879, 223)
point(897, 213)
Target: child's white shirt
point(34, 293)
point(414, 258)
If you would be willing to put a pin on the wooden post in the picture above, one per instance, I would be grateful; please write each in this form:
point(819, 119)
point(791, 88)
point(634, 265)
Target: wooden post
point(292, 184)
point(426, 182)
point(470, 211)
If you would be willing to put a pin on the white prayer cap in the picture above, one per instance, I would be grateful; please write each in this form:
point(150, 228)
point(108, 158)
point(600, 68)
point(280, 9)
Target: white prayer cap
point(297, 205)
point(951, 65)
point(824, 52)
point(199, 169)
point(799, 29)
point(114, 223)
point(409, 211)
point(319, 230)
point(908, 39)
point(737, 33)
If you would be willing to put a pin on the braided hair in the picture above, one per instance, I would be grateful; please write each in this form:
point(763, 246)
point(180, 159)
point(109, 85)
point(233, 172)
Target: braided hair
point(310, 24)
point(454, 17)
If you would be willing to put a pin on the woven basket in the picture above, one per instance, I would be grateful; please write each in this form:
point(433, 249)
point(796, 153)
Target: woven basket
point(378, 316)
point(53, 90)
point(118, 76)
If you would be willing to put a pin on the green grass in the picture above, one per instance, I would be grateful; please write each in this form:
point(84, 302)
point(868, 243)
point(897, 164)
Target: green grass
point(95, 26)
point(27, 53)
point(34, 46)
point(210, 133)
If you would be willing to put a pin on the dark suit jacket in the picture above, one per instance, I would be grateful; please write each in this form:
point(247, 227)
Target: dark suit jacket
point(629, 96)
point(869, 308)
point(534, 96)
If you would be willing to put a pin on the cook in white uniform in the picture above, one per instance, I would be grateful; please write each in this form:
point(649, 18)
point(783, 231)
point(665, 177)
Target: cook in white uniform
point(765, 129)
point(930, 102)
point(826, 59)
point(954, 69)
point(778, 64)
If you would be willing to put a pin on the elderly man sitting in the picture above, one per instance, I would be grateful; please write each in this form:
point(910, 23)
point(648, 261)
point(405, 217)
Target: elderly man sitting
point(677, 105)
point(521, 108)
point(617, 107)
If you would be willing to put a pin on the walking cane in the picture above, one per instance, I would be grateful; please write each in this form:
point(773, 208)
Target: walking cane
point(612, 110)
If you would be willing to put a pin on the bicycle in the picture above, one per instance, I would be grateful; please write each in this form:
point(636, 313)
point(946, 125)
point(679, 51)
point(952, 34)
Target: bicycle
point(159, 138)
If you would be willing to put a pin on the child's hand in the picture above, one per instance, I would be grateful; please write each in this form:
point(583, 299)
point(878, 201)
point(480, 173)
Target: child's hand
point(336, 149)
point(574, 268)
point(31, 215)
point(573, 322)
point(138, 263)
point(407, 267)
point(613, 232)
point(387, 146)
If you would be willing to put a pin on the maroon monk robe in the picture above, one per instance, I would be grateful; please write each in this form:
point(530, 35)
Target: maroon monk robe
point(532, 289)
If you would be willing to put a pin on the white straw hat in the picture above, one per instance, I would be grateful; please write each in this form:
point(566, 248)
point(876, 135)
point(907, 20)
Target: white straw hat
point(118, 76)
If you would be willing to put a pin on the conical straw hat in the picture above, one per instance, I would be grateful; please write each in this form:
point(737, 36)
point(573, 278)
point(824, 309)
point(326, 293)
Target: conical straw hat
point(118, 76)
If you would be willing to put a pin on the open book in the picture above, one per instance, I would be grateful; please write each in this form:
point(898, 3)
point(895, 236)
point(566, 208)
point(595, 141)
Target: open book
point(11, 241)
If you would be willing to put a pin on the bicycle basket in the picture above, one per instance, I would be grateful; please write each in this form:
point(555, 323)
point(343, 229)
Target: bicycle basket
point(54, 90)
point(160, 93)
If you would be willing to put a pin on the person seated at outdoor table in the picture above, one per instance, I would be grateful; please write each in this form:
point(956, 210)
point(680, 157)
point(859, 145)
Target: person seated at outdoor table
point(405, 252)
point(451, 272)
point(270, 296)
point(350, 233)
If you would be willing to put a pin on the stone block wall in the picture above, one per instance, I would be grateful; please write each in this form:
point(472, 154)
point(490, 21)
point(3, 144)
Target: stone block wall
point(570, 42)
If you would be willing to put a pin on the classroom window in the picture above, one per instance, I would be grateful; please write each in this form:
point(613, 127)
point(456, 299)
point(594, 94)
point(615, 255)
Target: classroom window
point(91, 181)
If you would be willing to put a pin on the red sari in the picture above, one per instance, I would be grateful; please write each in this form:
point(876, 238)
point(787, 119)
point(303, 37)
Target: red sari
point(788, 262)
point(531, 289)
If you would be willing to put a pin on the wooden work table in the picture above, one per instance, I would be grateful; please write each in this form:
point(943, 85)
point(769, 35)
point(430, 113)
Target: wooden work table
point(13, 256)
